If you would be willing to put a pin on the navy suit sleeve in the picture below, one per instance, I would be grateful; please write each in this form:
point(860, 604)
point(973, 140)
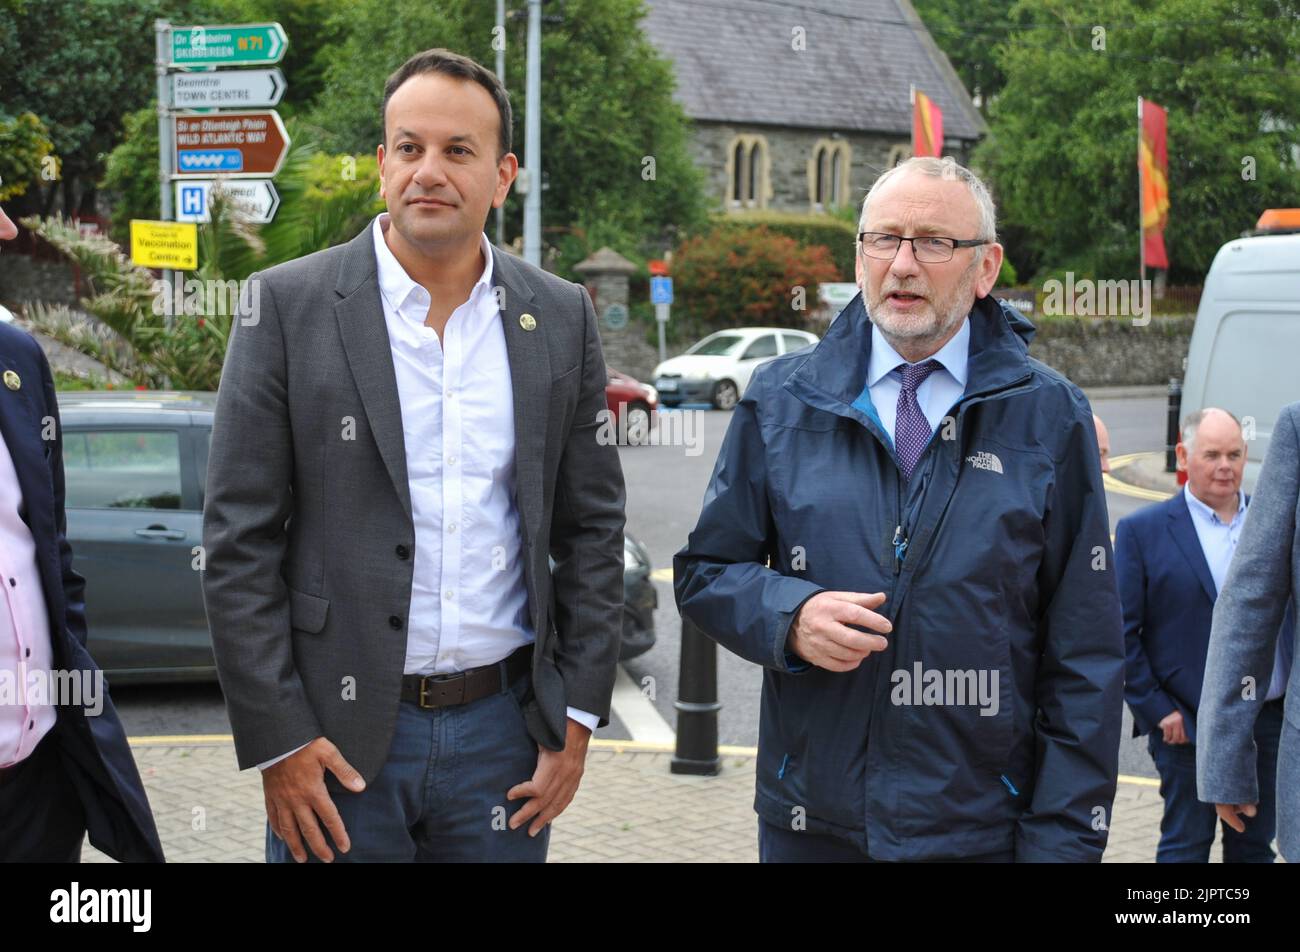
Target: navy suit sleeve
point(74, 586)
point(1149, 703)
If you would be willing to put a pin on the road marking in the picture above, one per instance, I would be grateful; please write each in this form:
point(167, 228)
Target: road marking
point(662, 575)
point(638, 713)
point(1114, 485)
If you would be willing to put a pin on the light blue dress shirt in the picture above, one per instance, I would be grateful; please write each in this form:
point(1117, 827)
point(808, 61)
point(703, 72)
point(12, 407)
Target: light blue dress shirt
point(936, 394)
point(1218, 543)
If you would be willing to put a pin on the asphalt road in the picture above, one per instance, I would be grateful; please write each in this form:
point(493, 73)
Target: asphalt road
point(666, 485)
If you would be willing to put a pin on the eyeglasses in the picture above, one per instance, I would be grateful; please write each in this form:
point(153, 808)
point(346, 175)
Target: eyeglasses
point(927, 249)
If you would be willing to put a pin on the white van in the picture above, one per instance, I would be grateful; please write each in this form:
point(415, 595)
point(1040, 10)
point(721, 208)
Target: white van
point(1244, 354)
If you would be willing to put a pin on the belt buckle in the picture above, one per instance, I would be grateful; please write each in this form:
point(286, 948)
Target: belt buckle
point(441, 678)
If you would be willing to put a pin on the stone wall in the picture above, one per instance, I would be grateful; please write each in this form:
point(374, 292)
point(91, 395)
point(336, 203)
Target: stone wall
point(24, 279)
point(1096, 352)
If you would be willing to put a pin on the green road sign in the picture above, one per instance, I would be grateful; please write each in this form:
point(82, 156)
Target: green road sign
point(235, 45)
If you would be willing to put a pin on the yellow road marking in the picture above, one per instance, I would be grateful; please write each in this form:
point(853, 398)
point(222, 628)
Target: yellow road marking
point(1114, 485)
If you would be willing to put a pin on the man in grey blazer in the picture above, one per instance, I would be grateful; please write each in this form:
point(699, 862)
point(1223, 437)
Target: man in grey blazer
point(1243, 661)
point(407, 428)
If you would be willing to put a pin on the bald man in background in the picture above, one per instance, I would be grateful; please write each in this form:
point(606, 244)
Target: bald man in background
point(1172, 558)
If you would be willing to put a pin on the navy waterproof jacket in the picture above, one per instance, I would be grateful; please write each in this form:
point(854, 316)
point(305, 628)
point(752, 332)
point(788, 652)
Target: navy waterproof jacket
point(996, 562)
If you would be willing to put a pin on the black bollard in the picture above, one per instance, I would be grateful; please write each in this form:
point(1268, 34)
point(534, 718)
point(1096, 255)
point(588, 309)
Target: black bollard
point(1173, 419)
point(697, 705)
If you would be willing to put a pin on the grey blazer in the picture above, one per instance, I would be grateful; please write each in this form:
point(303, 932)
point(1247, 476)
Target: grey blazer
point(1263, 578)
point(308, 535)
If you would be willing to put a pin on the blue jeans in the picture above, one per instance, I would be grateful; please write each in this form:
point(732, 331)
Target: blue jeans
point(1187, 827)
point(441, 795)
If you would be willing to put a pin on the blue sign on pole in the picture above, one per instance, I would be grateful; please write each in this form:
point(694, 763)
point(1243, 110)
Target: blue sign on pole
point(210, 160)
point(661, 290)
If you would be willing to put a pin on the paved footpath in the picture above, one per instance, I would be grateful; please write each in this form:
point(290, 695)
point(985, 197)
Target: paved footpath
point(630, 808)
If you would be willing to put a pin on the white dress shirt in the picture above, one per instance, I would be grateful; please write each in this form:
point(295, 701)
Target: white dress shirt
point(936, 394)
point(469, 603)
point(25, 646)
point(1219, 543)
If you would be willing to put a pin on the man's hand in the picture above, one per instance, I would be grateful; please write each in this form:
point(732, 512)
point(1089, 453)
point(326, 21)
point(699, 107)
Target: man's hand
point(821, 636)
point(1172, 726)
point(554, 782)
point(1228, 814)
point(296, 795)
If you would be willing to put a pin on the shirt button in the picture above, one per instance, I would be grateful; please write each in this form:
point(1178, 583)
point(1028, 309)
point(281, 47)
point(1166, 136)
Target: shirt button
point(394, 622)
point(451, 461)
point(450, 594)
point(403, 552)
point(13, 582)
point(31, 724)
point(451, 527)
point(28, 653)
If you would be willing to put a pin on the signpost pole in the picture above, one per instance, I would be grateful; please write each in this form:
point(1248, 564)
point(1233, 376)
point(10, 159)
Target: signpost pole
point(166, 151)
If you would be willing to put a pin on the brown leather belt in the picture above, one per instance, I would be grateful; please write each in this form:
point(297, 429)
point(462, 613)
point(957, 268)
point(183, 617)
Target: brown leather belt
point(448, 690)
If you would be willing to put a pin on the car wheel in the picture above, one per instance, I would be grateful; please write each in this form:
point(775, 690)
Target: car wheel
point(639, 421)
point(725, 395)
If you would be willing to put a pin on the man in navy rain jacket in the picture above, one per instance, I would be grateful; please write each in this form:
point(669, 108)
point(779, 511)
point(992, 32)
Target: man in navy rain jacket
point(906, 527)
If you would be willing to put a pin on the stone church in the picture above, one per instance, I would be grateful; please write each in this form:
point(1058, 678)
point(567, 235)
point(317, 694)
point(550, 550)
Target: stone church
point(797, 107)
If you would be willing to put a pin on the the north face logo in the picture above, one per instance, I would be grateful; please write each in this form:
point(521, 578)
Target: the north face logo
point(985, 460)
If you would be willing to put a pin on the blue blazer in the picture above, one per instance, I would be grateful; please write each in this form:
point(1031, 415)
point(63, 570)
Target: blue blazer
point(96, 758)
point(1168, 595)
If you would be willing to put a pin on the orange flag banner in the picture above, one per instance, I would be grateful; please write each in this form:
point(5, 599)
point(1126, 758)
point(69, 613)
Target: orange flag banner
point(927, 126)
point(1153, 169)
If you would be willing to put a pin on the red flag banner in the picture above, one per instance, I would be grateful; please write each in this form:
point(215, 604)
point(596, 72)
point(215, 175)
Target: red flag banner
point(1153, 168)
point(927, 126)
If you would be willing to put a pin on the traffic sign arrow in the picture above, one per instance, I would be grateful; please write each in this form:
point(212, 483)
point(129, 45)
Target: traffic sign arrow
point(242, 144)
point(222, 90)
point(235, 44)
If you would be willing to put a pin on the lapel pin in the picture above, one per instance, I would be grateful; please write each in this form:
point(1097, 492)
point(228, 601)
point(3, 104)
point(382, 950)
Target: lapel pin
point(526, 321)
point(12, 380)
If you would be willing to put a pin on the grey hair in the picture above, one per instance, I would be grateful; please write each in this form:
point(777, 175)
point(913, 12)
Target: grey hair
point(1192, 423)
point(945, 168)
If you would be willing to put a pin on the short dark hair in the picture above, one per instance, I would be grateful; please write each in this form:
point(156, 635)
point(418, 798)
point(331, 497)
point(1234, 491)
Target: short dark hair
point(459, 67)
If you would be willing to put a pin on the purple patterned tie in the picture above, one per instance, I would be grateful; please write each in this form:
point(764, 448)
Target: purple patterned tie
point(911, 428)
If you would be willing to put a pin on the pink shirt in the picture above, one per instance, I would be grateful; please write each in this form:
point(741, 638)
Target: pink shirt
point(24, 626)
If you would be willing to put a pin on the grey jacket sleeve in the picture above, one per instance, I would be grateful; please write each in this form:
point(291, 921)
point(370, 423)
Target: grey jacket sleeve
point(587, 542)
point(249, 498)
point(1247, 619)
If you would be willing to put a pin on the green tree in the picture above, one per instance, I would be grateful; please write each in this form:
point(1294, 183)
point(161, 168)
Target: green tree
point(969, 33)
point(1063, 143)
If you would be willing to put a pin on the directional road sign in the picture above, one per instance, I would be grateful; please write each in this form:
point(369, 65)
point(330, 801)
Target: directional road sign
point(229, 89)
point(255, 200)
point(244, 44)
point(242, 144)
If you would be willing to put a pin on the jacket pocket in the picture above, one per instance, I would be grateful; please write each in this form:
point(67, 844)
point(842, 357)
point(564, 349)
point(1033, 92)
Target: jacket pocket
point(307, 612)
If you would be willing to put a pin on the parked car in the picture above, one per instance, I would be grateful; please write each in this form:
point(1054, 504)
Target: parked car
point(717, 369)
point(629, 398)
point(135, 467)
point(1242, 353)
